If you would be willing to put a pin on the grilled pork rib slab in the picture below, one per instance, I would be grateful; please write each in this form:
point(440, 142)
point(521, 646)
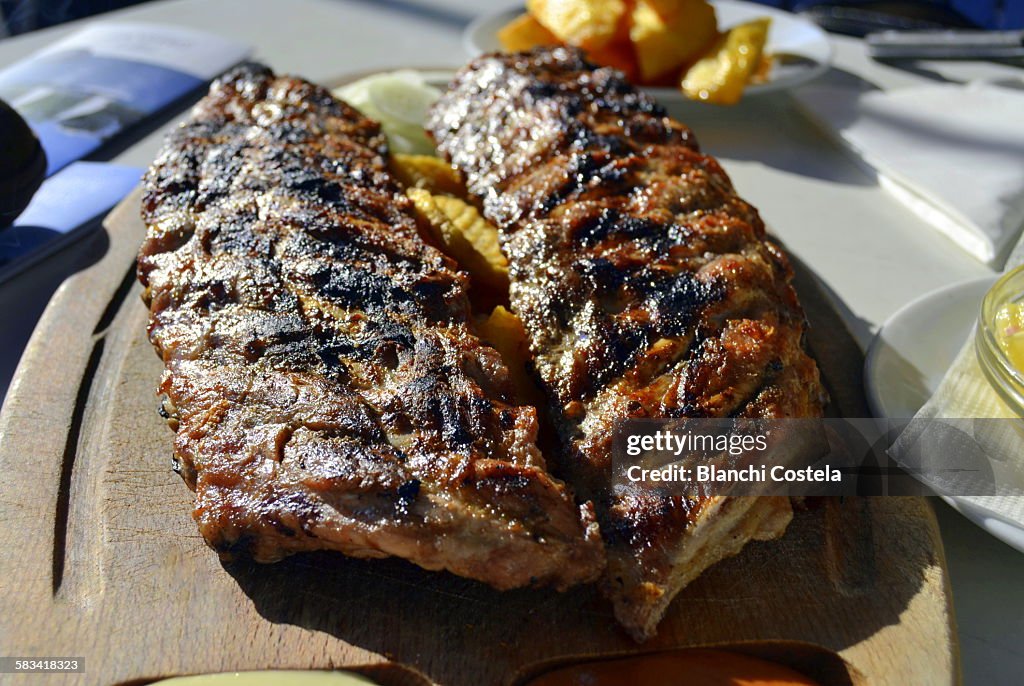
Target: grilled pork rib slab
point(647, 288)
point(327, 389)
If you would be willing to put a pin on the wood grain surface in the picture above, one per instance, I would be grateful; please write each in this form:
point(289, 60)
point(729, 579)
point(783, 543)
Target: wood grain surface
point(100, 558)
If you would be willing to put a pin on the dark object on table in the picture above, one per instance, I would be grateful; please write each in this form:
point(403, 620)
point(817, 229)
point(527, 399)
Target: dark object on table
point(946, 45)
point(859, 18)
point(22, 164)
point(22, 16)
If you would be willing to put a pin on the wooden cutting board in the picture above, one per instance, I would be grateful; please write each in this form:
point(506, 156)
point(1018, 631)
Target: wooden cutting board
point(99, 557)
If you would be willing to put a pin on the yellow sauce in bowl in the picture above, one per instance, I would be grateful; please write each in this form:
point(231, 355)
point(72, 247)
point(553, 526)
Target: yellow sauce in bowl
point(1009, 332)
point(999, 342)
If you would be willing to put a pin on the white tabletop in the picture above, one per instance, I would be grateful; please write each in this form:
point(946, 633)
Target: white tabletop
point(872, 253)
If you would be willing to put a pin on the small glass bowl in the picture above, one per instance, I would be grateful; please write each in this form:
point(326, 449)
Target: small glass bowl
point(1007, 380)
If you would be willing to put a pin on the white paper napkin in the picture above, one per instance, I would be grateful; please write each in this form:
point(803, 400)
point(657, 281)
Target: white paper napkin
point(954, 154)
point(966, 392)
point(942, 433)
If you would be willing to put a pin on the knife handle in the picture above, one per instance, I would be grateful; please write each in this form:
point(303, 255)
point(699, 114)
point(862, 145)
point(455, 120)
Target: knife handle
point(946, 44)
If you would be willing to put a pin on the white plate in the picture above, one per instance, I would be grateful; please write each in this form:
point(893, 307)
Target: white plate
point(805, 46)
point(916, 346)
point(908, 359)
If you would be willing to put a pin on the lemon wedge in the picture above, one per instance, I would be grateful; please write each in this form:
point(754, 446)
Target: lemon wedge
point(399, 100)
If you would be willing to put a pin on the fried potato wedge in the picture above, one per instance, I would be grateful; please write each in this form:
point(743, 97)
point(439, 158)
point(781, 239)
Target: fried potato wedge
point(464, 235)
point(667, 34)
point(525, 33)
point(721, 75)
point(427, 172)
point(589, 24)
point(618, 55)
point(504, 331)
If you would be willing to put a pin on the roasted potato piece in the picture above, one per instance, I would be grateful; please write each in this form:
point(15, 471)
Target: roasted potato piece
point(589, 24)
point(464, 235)
point(763, 70)
point(524, 33)
point(505, 332)
point(721, 75)
point(428, 172)
point(667, 34)
point(617, 55)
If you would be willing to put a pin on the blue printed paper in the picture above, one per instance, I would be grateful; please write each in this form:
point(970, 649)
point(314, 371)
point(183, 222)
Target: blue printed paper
point(68, 203)
point(87, 88)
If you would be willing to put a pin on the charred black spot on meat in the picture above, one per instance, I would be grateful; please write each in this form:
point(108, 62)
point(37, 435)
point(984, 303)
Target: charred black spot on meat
point(600, 275)
point(430, 401)
point(227, 162)
point(234, 235)
point(613, 223)
point(358, 288)
point(387, 335)
point(611, 350)
point(585, 138)
point(407, 494)
point(313, 185)
point(289, 134)
point(586, 170)
point(673, 299)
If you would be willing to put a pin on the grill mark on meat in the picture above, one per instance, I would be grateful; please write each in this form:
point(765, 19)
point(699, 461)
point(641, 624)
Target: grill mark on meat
point(647, 288)
point(612, 223)
point(327, 389)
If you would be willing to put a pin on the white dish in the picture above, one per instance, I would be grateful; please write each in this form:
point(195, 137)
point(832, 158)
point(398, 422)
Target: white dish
point(805, 46)
point(916, 346)
point(1009, 532)
point(908, 359)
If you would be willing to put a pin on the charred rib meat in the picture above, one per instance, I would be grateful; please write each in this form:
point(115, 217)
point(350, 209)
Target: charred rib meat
point(647, 288)
point(328, 390)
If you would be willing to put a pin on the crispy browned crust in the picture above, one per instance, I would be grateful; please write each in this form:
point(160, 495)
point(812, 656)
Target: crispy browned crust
point(327, 390)
point(647, 287)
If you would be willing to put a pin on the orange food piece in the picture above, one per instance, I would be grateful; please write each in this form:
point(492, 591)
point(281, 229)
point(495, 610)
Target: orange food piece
point(618, 56)
point(429, 172)
point(763, 70)
point(525, 33)
point(589, 24)
point(722, 74)
point(463, 234)
point(688, 667)
point(667, 34)
point(504, 331)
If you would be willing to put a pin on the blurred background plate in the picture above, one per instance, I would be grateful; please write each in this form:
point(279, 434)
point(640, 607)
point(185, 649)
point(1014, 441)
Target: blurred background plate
point(802, 49)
